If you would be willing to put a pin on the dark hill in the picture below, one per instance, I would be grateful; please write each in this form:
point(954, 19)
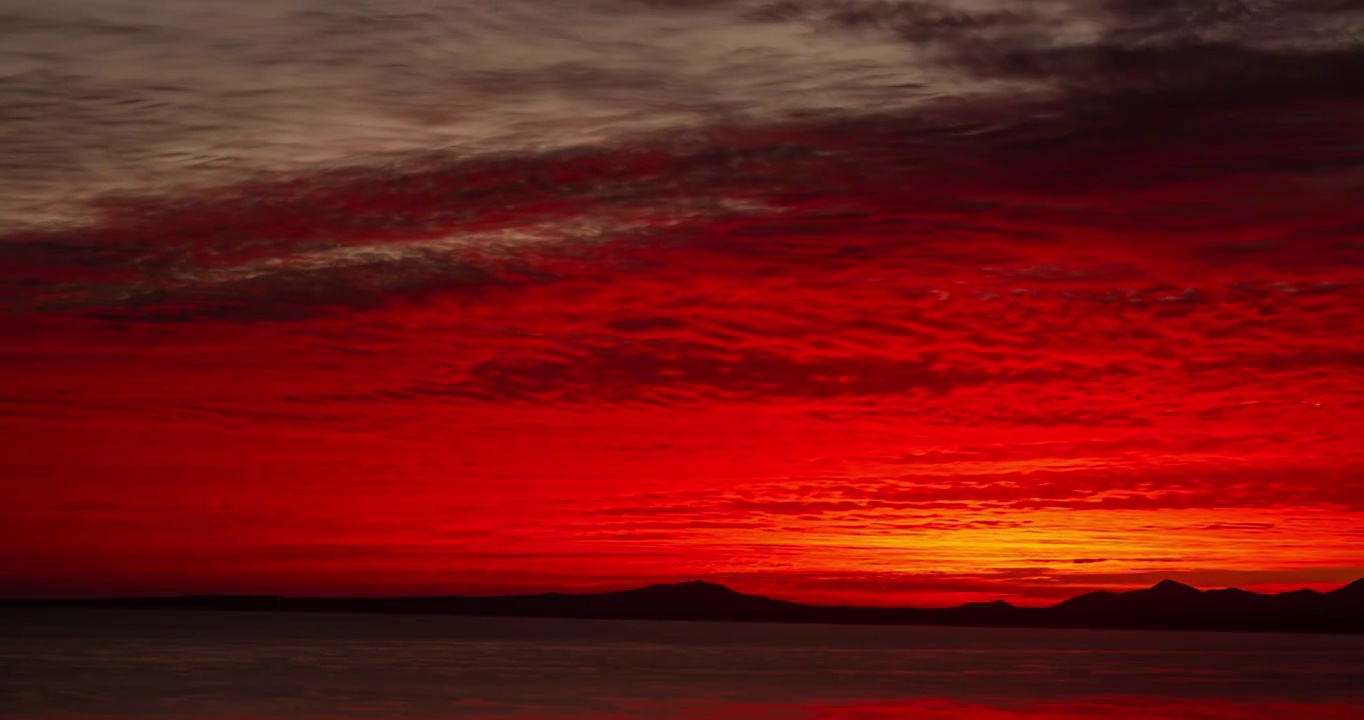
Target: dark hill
point(1352, 593)
point(1168, 605)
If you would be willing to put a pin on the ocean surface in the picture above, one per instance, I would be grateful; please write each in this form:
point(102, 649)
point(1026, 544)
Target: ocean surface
point(143, 664)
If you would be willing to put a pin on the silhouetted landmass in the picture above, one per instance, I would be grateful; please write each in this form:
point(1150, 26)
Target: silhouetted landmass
point(1168, 605)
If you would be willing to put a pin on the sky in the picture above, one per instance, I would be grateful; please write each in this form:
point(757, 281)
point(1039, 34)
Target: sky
point(854, 301)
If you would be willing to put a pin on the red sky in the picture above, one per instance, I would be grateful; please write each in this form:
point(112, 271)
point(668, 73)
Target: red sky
point(1011, 349)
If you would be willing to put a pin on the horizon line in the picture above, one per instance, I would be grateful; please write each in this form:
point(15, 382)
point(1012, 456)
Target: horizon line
point(1166, 582)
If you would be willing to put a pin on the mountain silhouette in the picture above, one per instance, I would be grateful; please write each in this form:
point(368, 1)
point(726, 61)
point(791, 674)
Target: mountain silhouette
point(1167, 605)
point(1354, 592)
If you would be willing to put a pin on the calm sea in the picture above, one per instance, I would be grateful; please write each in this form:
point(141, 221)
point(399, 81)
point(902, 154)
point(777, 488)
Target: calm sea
point(140, 664)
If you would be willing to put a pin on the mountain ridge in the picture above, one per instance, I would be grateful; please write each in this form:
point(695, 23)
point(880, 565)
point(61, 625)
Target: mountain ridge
point(1167, 605)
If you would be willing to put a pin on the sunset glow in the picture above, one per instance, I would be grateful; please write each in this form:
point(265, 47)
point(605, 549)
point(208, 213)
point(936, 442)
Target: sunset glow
point(1016, 344)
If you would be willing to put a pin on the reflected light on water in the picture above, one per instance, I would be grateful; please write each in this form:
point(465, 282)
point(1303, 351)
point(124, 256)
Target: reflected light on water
point(1110, 708)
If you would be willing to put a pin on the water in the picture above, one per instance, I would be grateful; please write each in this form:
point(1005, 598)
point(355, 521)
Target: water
point(140, 664)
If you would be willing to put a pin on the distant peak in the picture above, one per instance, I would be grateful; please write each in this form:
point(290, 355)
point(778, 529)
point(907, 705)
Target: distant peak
point(1354, 588)
point(1173, 586)
point(703, 585)
point(694, 586)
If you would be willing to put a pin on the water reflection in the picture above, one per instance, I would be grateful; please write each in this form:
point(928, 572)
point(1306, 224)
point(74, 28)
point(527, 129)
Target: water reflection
point(1109, 708)
point(218, 666)
point(1117, 708)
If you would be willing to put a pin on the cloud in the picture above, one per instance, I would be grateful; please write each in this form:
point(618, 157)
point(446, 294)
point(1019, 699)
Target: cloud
point(927, 285)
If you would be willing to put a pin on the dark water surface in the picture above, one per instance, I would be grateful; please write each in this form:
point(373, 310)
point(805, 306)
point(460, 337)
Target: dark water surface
point(135, 664)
